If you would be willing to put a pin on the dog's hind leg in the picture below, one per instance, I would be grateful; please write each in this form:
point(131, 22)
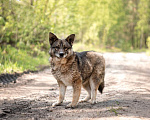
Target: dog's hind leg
point(62, 90)
point(87, 87)
point(96, 83)
point(94, 89)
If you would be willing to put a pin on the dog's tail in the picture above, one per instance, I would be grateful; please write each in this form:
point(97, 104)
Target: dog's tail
point(101, 87)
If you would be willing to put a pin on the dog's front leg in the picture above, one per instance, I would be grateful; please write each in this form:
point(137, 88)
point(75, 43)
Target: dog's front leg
point(62, 90)
point(76, 93)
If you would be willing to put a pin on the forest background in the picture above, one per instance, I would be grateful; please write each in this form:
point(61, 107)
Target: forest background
point(100, 25)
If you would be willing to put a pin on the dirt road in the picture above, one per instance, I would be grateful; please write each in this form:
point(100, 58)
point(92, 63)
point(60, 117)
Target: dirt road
point(126, 94)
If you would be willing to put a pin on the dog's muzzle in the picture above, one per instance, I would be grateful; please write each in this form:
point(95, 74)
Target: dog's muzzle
point(61, 54)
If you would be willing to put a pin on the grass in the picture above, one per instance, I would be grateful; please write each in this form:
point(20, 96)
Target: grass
point(83, 47)
point(115, 110)
point(148, 52)
point(19, 60)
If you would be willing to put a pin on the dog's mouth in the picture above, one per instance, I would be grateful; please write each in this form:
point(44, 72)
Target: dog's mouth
point(61, 55)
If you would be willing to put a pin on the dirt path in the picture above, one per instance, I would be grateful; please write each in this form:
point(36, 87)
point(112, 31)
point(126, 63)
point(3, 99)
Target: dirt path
point(126, 95)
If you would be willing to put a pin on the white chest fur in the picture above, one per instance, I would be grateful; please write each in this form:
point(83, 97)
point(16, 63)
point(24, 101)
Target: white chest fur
point(66, 78)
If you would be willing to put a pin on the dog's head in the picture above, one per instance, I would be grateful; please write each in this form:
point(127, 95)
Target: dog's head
point(61, 48)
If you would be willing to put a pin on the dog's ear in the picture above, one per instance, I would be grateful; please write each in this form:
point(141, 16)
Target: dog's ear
point(52, 38)
point(70, 39)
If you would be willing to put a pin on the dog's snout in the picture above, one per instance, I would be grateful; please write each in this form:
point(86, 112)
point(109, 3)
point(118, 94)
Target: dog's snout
point(61, 54)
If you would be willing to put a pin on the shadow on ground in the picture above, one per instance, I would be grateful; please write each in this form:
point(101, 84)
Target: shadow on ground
point(41, 108)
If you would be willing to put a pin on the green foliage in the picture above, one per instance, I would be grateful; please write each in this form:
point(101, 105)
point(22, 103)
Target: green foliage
point(99, 24)
point(18, 60)
point(115, 110)
point(115, 23)
point(83, 47)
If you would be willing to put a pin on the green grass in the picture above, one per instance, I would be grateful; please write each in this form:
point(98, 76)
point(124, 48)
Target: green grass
point(115, 110)
point(135, 50)
point(19, 60)
point(83, 47)
point(148, 52)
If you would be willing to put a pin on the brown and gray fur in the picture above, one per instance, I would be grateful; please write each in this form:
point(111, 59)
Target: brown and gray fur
point(75, 69)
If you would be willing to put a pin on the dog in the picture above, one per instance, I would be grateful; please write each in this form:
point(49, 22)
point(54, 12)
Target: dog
point(75, 69)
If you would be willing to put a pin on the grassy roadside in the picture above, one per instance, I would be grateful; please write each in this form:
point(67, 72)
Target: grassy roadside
point(19, 60)
point(83, 47)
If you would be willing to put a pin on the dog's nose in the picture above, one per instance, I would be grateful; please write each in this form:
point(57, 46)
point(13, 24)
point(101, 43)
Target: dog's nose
point(61, 55)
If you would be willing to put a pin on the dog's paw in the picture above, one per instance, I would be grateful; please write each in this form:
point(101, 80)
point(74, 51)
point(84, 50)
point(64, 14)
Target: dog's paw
point(55, 104)
point(93, 102)
point(85, 99)
point(70, 106)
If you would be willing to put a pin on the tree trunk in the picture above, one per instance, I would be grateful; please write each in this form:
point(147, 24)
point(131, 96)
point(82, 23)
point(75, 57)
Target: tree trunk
point(31, 2)
point(145, 40)
point(141, 40)
point(132, 36)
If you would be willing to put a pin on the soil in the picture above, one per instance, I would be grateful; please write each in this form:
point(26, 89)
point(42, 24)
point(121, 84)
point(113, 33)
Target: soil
point(126, 94)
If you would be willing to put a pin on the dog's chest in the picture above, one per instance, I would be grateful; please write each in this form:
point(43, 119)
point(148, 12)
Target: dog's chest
point(64, 74)
point(66, 79)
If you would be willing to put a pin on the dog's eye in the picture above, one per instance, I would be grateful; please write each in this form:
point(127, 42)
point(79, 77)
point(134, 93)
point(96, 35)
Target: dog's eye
point(66, 49)
point(56, 48)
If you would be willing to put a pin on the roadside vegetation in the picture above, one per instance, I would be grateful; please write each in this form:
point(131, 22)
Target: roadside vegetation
point(99, 25)
point(19, 60)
